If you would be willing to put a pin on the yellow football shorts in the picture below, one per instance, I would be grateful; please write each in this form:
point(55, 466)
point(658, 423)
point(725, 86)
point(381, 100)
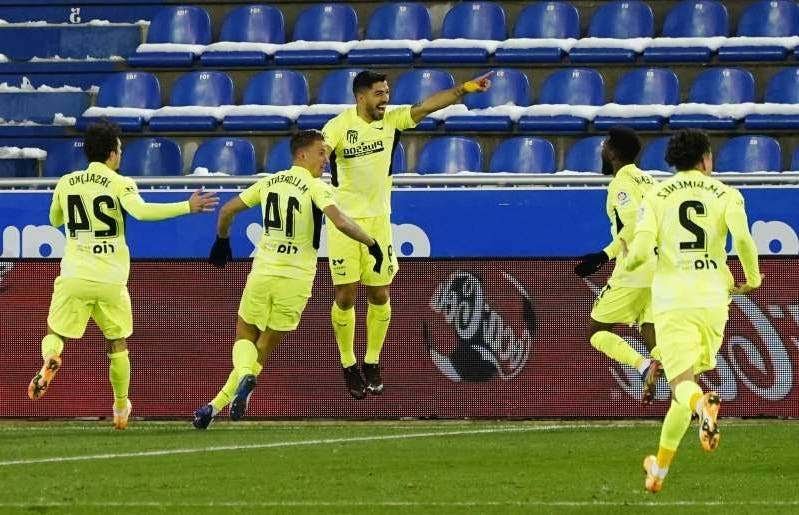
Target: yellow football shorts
point(350, 260)
point(623, 305)
point(74, 301)
point(274, 302)
point(690, 339)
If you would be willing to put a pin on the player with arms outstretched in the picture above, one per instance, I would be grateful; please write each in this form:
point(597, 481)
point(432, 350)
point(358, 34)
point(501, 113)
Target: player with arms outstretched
point(283, 271)
point(362, 141)
point(626, 298)
point(688, 217)
point(94, 269)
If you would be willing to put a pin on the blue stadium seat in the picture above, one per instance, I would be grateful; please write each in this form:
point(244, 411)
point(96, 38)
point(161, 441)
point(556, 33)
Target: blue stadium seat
point(643, 86)
point(394, 20)
point(41, 106)
point(620, 20)
point(398, 163)
point(275, 88)
point(279, 156)
point(208, 89)
point(151, 157)
point(653, 156)
point(783, 88)
point(691, 19)
point(469, 20)
point(336, 88)
point(248, 24)
point(508, 86)
point(324, 22)
point(795, 160)
point(450, 154)
point(128, 89)
point(235, 156)
point(717, 86)
point(63, 157)
point(415, 85)
point(749, 154)
point(766, 18)
point(585, 155)
point(187, 25)
point(574, 86)
point(523, 154)
point(549, 20)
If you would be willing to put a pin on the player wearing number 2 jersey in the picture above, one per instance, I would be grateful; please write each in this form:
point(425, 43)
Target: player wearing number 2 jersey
point(279, 285)
point(688, 217)
point(94, 270)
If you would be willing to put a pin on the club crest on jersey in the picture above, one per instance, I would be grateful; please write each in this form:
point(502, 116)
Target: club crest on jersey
point(352, 137)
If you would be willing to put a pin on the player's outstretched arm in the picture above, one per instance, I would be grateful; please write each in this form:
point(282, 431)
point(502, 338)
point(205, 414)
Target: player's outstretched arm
point(745, 246)
point(221, 251)
point(199, 202)
point(450, 96)
point(349, 227)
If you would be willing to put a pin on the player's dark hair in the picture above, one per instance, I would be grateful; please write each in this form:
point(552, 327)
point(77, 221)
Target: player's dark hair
point(304, 138)
point(100, 140)
point(686, 149)
point(624, 143)
point(365, 79)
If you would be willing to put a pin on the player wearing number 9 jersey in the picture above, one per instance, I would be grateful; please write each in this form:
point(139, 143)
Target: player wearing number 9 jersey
point(94, 269)
point(688, 217)
point(279, 284)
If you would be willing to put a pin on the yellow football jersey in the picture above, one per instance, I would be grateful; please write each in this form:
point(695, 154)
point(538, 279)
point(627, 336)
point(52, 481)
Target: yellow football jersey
point(91, 204)
point(361, 160)
point(291, 204)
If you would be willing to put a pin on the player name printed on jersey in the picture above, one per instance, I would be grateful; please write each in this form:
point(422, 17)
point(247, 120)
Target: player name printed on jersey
point(666, 191)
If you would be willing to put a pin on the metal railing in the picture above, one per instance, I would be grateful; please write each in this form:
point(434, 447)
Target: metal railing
point(413, 180)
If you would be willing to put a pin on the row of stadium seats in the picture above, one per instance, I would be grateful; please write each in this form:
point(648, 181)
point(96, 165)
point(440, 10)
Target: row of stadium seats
point(449, 154)
point(572, 86)
point(337, 22)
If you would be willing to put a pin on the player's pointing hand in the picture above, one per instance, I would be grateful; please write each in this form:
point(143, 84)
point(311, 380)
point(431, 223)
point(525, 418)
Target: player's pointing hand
point(478, 84)
point(203, 202)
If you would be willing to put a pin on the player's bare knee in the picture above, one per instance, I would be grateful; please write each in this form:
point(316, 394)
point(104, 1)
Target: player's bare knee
point(345, 295)
point(246, 331)
point(119, 345)
point(377, 295)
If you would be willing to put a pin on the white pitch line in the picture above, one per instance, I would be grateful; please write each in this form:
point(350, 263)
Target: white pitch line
point(326, 441)
point(407, 504)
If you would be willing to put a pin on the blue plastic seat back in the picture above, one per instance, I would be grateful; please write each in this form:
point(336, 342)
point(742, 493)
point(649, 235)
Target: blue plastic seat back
point(653, 156)
point(697, 19)
point(235, 156)
point(336, 87)
point(783, 88)
point(202, 89)
point(279, 156)
point(795, 160)
point(151, 157)
point(648, 86)
point(558, 20)
point(507, 86)
point(130, 89)
point(277, 87)
point(523, 154)
point(475, 20)
point(450, 154)
point(400, 20)
point(749, 154)
point(398, 162)
point(327, 22)
point(770, 18)
point(415, 85)
point(575, 86)
point(723, 86)
point(181, 24)
point(622, 20)
point(585, 155)
point(254, 24)
point(64, 157)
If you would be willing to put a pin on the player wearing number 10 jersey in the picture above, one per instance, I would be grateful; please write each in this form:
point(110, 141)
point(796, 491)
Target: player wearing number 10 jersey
point(94, 269)
point(279, 285)
point(688, 217)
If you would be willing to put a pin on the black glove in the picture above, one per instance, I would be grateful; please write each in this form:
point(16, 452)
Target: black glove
point(375, 252)
point(220, 252)
point(590, 263)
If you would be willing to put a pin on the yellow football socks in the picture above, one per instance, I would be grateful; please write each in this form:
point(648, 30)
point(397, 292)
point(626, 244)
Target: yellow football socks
point(245, 356)
point(119, 375)
point(378, 317)
point(52, 345)
point(225, 395)
point(615, 347)
point(344, 330)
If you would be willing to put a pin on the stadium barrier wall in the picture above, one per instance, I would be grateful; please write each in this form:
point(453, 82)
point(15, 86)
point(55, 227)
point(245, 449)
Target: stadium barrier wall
point(469, 338)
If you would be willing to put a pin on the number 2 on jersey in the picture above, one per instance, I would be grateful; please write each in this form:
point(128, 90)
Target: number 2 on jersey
point(272, 218)
point(685, 220)
point(78, 217)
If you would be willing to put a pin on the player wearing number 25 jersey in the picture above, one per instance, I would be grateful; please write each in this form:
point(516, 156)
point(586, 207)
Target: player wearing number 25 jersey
point(688, 217)
point(279, 285)
point(94, 270)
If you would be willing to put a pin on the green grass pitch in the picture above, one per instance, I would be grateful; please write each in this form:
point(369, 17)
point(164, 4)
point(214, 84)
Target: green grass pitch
point(390, 467)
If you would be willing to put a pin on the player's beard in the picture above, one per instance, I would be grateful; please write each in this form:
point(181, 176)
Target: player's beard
point(378, 114)
point(607, 166)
